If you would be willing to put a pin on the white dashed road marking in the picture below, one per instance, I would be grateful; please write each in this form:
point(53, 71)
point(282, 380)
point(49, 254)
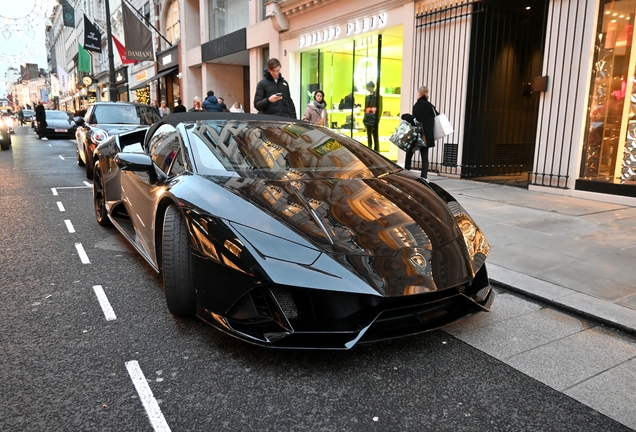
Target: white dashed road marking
point(60, 206)
point(109, 313)
point(69, 226)
point(151, 405)
point(82, 253)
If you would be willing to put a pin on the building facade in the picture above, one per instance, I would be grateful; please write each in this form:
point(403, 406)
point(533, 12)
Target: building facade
point(538, 91)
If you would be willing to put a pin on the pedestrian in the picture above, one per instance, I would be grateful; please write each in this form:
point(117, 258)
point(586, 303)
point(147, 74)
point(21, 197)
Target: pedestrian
point(424, 112)
point(153, 104)
point(371, 119)
point(40, 119)
point(211, 103)
point(223, 106)
point(179, 107)
point(21, 116)
point(237, 108)
point(196, 105)
point(315, 112)
point(163, 109)
point(272, 93)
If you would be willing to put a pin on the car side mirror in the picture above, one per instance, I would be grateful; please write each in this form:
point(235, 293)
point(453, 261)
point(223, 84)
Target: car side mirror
point(79, 121)
point(137, 162)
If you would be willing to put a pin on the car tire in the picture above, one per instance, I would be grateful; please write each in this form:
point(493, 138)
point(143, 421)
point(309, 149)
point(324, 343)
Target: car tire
point(5, 145)
point(89, 164)
point(80, 162)
point(99, 198)
point(177, 265)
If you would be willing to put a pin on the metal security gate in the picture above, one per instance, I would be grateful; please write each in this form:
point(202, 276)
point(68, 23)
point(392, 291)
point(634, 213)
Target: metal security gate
point(478, 59)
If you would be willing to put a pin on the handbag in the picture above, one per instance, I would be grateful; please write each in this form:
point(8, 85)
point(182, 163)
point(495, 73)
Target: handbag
point(442, 127)
point(369, 119)
point(407, 136)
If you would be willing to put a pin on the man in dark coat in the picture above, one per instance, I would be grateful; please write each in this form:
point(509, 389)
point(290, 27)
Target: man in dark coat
point(40, 119)
point(272, 93)
point(425, 113)
point(371, 120)
point(211, 103)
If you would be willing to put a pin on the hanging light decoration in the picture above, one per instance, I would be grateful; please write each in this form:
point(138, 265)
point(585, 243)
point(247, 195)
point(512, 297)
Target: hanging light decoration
point(18, 25)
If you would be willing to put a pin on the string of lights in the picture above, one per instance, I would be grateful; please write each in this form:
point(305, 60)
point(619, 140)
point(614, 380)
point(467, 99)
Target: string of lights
point(18, 27)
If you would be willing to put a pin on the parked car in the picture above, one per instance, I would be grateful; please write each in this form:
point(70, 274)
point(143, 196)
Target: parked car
point(5, 136)
point(287, 234)
point(29, 116)
point(104, 119)
point(59, 124)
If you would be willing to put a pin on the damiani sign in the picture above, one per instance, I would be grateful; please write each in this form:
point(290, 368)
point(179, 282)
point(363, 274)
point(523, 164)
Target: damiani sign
point(352, 28)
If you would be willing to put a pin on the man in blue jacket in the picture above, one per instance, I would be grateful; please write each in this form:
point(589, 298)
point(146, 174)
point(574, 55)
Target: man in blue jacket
point(211, 103)
point(272, 93)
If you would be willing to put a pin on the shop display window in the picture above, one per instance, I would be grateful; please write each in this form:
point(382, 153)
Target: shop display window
point(343, 70)
point(609, 153)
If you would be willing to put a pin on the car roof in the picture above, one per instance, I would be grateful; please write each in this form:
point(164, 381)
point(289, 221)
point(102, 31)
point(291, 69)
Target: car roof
point(183, 117)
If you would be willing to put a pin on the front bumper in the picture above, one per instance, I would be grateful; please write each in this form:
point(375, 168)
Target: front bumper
point(291, 317)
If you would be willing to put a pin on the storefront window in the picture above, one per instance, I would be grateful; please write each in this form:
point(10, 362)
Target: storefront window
point(610, 147)
point(172, 23)
point(343, 71)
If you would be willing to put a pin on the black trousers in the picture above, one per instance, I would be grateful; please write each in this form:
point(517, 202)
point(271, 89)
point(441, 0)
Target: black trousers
point(372, 132)
point(423, 154)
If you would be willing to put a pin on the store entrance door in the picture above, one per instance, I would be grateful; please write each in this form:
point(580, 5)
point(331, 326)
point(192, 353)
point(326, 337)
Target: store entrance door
point(479, 60)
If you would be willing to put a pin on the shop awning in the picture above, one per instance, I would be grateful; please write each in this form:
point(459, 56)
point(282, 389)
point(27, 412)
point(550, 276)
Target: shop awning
point(159, 75)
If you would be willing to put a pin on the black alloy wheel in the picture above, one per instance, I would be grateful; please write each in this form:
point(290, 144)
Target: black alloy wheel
point(177, 265)
point(6, 144)
point(99, 198)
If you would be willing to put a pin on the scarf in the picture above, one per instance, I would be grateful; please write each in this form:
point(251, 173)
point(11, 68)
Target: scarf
point(319, 105)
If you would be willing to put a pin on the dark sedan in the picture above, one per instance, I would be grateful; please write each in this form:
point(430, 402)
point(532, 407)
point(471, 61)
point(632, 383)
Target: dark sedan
point(289, 235)
point(59, 124)
point(104, 119)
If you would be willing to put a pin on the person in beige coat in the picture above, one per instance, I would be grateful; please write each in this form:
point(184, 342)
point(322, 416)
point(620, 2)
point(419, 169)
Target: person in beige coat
point(315, 112)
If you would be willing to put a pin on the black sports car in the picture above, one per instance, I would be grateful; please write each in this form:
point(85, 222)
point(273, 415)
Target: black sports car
point(104, 119)
point(58, 124)
point(287, 234)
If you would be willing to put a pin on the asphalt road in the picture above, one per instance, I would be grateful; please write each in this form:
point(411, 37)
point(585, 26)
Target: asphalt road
point(69, 363)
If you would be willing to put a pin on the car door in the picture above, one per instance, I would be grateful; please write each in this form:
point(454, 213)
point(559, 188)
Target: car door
point(141, 193)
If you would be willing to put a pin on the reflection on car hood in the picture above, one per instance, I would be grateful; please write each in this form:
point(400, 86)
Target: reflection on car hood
point(377, 217)
point(391, 231)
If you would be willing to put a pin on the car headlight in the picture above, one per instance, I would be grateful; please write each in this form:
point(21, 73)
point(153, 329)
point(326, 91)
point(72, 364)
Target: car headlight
point(475, 240)
point(98, 136)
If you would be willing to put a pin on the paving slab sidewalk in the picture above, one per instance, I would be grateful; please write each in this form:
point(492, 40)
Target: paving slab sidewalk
point(572, 253)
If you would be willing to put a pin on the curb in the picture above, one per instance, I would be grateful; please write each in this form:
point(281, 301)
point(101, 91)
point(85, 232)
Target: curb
point(592, 308)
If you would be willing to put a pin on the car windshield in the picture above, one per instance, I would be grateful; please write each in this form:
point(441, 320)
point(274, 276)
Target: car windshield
point(58, 115)
point(28, 112)
point(124, 114)
point(280, 150)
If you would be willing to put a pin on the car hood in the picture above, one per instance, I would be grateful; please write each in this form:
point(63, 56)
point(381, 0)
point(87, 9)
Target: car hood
point(371, 217)
point(392, 232)
point(60, 124)
point(116, 129)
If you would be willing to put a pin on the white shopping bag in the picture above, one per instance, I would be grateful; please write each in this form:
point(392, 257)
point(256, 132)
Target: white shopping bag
point(442, 127)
